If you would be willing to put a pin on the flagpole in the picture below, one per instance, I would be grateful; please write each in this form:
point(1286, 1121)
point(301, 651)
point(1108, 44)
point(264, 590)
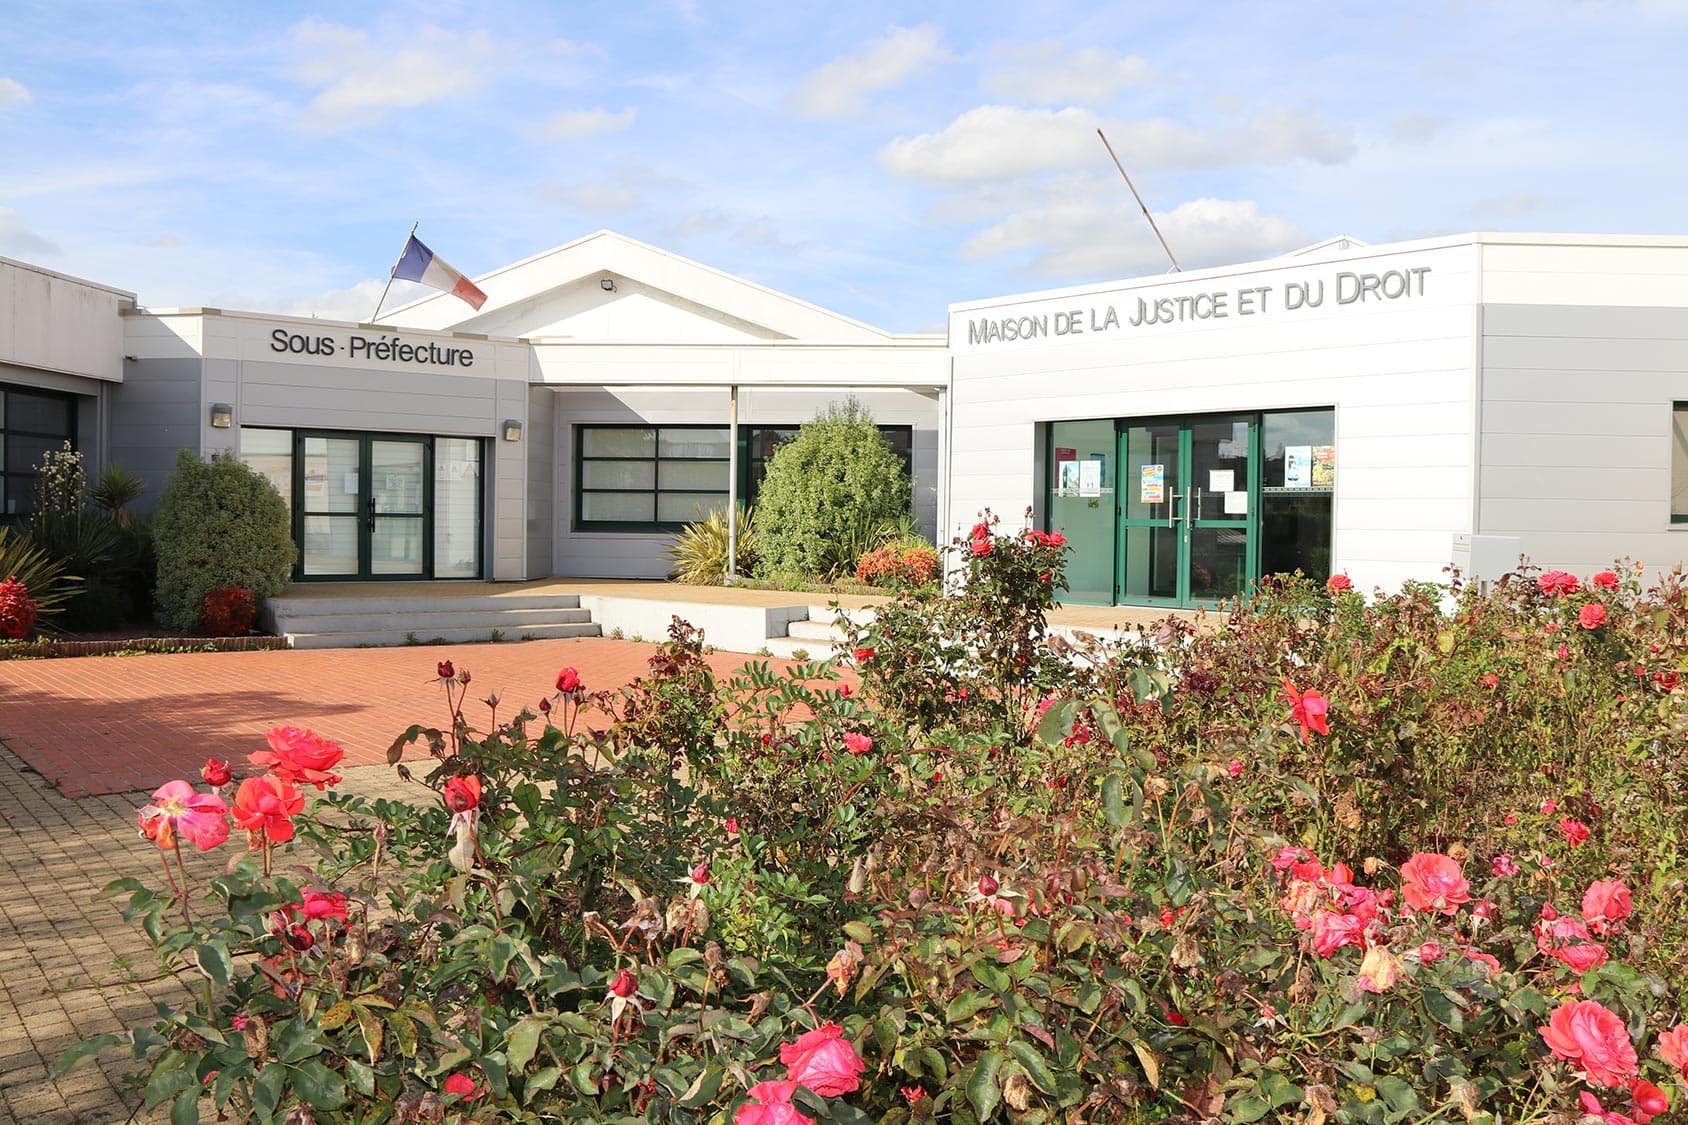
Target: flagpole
point(394, 270)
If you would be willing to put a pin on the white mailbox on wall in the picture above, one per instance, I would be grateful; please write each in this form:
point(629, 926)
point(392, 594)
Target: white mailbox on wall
point(1485, 558)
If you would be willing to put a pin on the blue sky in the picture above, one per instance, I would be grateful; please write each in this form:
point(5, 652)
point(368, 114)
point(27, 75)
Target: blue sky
point(882, 160)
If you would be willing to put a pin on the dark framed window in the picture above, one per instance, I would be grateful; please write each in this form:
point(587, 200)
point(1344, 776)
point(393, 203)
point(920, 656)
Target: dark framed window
point(1679, 463)
point(660, 478)
point(31, 423)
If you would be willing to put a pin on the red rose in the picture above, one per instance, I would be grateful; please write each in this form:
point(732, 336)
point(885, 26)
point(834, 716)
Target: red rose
point(1332, 931)
point(446, 672)
point(568, 680)
point(267, 805)
point(460, 1084)
point(1556, 582)
point(1308, 709)
point(1434, 882)
point(862, 655)
point(216, 772)
point(300, 757)
point(1673, 1048)
point(1337, 583)
point(1591, 616)
point(770, 1104)
point(624, 984)
point(1605, 904)
point(1605, 580)
point(824, 1061)
point(1590, 1037)
point(1574, 831)
point(319, 904)
point(857, 743)
point(1648, 1100)
point(462, 793)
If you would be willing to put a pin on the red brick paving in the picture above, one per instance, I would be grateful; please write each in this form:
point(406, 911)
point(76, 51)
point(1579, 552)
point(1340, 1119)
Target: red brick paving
point(117, 724)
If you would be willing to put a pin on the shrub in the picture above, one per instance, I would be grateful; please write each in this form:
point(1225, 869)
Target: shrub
point(218, 524)
point(17, 611)
point(699, 552)
point(898, 566)
point(826, 490)
point(229, 612)
point(49, 587)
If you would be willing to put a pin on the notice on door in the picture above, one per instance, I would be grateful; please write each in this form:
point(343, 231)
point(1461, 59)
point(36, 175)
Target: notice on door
point(1298, 466)
point(1090, 478)
point(1324, 466)
point(1153, 488)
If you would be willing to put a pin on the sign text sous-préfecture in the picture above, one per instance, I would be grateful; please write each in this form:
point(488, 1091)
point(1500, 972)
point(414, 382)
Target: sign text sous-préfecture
point(385, 348)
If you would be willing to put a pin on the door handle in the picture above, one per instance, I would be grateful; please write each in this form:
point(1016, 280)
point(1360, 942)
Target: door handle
point(1197, 505)
point(372, 513)
point(1172, 499)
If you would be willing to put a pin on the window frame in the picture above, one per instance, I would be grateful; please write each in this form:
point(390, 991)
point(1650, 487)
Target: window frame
point(7, 431)
point(1677, 519)
point(655, 460)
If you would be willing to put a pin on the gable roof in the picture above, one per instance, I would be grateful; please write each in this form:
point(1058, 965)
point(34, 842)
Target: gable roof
point(524, 298)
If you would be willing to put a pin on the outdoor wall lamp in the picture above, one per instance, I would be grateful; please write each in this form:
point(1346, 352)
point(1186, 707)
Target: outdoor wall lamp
point(607, 284)
point(222, 415)
point(512, 430)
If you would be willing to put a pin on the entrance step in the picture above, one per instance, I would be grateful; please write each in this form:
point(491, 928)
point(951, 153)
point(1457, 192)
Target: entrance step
point(374, 619)
point(820, 636)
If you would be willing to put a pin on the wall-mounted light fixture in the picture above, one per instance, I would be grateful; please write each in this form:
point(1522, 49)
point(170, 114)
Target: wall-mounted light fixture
point(512, 430)
point(222, 415)
point(607, 284)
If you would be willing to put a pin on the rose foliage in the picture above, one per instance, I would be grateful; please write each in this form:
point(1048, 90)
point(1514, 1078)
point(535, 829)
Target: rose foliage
point(1306, 865)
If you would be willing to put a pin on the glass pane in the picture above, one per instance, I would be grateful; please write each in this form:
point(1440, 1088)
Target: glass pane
point(618, 474)
point(20, 495)
point(1295, 533)
point(1151, 561)
point(1298, 449)
point(457, 509)
point(395, 546)
point(900, 439)
point(1219, 471)
point(619, 507)
point(684, 507)
point(1086, 520)
point(331, 545)
point(765, 439)
point(23, 454)
point(1150, 473)
point(617, 441)
point(269, 453)
point(677, 442)
point(331, 476)
point(395, 484)
point(694, 476)
point(1679, 463)
point(1218, 562)
point(38, 413)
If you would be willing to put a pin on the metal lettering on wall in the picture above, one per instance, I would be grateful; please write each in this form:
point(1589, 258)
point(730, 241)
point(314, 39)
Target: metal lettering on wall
point(389, 349)
point(1255, 300)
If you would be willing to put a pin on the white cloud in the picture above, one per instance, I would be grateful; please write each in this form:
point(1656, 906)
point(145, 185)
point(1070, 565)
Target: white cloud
point(13, 92)
point(589, 195)
point(19, 241)
point(994, 142)
point(1511, 205)
point(841, 89)
point(355, 304)
point(707, 221)
point(1043, 72)
point(571, 124)
point(1078, 237)
point(360, 81)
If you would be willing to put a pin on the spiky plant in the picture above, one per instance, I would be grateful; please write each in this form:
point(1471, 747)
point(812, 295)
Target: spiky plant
point(699, 552)
point(49, 587)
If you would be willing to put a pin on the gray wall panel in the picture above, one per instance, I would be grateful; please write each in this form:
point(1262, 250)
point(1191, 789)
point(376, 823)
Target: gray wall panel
point(155, 412)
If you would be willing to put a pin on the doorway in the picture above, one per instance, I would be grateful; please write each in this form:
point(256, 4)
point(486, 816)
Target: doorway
point(363, 506)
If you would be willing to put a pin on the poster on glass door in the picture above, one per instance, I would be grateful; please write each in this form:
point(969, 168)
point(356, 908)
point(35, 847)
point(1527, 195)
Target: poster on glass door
point(1153, 487)
point(1298, 466)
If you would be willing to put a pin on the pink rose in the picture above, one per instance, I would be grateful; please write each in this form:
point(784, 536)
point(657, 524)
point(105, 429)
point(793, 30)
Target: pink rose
point(1429, 953)
point(1557, 582)
point(771, 1105)
point(460, 1084)
point(1605, 580)
point(177, 811)
point(1574, 831)
point(300, 757)
point(1432, 881)
point(824, 1061)
point(1549, 807)
point(1332, 931)
point(1673, 1048)
point(1504, 866)
point(1592, 1038)
point(857, 743)
point(1605, 905)
point(568, 680)
point(1592, 616)
point(1337, 583)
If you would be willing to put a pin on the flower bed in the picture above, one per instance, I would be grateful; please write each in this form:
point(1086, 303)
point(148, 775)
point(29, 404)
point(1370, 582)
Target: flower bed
point(53, 649)
point(1363, 862)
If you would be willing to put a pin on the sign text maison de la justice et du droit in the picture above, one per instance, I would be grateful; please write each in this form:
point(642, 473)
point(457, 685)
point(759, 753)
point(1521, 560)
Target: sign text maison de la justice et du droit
point(1219, 304)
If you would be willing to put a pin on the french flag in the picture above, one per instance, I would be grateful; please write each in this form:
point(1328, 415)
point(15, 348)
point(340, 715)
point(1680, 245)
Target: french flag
point(418, 263)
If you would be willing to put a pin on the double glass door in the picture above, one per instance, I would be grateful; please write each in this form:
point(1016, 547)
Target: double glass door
point(363, 506)
point(1186, 530)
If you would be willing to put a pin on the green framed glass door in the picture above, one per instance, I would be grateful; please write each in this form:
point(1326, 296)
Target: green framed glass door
point(363, 506)
point(1187, 528)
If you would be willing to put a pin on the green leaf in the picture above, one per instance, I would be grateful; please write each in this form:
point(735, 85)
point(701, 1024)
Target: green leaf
point(859, 932)
point(1113, 799)
point(404, 1031)
point(1151, 1065)
point(522, 1042)
point(1057, 722)
point(266, 1091)
point(362, 1077)
point(320, 1087)
point(703, 1090)
point(185, 1109)
point(1397, 1094)
point(370, 1026)
point(584, 1077)
point(982, 1089)
point(336, 1016)
point(1251, 1107)
point(1444, 1007)
point(500, 952)
point(82, 1050)
point(1037, 1071)
point(214, 959)
point(546, 1079)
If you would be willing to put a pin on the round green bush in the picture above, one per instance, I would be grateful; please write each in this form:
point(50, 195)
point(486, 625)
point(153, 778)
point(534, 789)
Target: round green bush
point(219, 524)
point(826, 491)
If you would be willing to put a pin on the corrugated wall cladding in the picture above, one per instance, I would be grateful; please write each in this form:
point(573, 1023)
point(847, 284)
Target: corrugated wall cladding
point(1576, 424)
point(155, 412)
point(598, 554)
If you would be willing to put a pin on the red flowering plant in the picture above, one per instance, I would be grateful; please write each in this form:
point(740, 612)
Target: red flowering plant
point(18, 611)
point(228, 611)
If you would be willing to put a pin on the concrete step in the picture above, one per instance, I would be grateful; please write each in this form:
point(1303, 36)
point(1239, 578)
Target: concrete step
point(825, 613)
point(420, 620)
point(823, 632)
point(797, 648)
point(305, 605)
point(384, 638)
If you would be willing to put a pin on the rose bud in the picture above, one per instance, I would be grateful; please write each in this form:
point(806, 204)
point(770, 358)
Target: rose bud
point(987, 885)
point(700, 873)
point(446, 671)
point(216, 772)
point(624, 984)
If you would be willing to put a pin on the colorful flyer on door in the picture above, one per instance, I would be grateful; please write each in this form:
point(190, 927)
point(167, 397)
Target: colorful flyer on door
point(1324, 466)
point(1154, 484)
point(1069, 478)
point(1298, 466)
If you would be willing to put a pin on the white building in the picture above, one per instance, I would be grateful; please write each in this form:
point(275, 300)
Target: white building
point(1347, 408)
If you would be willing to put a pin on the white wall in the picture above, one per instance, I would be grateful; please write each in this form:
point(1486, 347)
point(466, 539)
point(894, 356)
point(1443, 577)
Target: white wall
point(60, 324)
point(1400, 373)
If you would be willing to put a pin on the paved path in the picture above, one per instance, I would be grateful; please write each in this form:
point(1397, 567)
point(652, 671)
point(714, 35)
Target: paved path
point(82, 742)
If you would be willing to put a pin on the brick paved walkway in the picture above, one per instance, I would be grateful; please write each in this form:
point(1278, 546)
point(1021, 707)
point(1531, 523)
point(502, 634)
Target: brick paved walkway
point(82, 742)
point(118, 724)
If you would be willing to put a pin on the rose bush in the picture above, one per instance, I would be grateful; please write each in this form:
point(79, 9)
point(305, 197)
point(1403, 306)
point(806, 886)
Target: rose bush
point(1307, 866)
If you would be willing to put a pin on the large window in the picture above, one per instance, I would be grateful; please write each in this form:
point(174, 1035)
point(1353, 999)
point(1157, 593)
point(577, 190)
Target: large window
point(31, 423)
point(1297, 484)
point(660, 478)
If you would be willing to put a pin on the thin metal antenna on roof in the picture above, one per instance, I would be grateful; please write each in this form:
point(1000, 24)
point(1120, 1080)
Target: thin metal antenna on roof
point(1175, 266)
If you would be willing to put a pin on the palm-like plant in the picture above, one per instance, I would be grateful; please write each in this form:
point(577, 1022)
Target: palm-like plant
point(699, 553)
point(49, 587)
